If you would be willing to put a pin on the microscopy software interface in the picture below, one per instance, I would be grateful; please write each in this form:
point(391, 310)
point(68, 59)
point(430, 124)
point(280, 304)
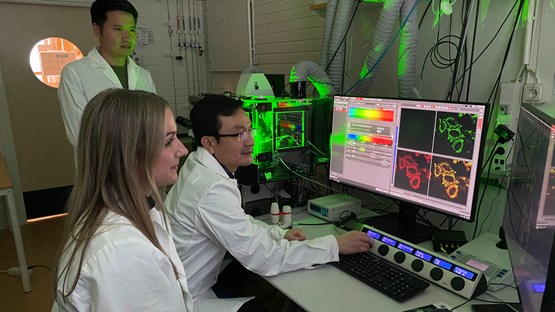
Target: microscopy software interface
point(419, 151)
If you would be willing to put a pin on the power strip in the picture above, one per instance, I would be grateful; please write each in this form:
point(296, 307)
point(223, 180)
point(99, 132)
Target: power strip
point(15, 271)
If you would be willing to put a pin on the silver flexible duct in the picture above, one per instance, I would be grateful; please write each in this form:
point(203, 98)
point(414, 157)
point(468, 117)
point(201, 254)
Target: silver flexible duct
point(386, 22)
point(310, 71)
point(406, 69)
point(340, 25)
point(328, 27)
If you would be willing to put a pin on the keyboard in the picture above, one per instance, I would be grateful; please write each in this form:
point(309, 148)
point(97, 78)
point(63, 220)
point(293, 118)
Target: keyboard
point(382, 275)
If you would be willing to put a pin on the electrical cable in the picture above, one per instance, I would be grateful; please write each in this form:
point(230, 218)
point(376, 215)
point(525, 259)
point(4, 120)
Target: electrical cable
point(491, 301)
point(40, 266)
point(443, 222)
point(401, 27)
point(505, 57)
point(434, 54)
point(472, 50)
point(480, 203)
point(344, 36)
point(424, 219)
point(424, 14)
point(484, 190)
point(501, 284)
point(303, 177)
point(473, 61)
point(490, 157)
point(489, 43)
point(497, 195)
point(462, 36)
point(460, 305)
point(322, 223)
point(318, 183)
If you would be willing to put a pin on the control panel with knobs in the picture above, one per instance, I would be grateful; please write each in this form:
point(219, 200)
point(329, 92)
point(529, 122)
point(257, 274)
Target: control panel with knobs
point(459, 278)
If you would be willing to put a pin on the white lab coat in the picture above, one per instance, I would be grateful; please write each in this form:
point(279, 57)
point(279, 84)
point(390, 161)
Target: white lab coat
point(204, 207)
point(123, 271)
point(81, 80)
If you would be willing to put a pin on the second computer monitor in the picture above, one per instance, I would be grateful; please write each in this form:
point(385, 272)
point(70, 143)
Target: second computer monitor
point(425, 153)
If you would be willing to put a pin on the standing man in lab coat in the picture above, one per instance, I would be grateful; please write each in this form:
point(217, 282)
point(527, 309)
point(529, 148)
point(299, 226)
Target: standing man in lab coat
point(204, 207)
point(107, 66)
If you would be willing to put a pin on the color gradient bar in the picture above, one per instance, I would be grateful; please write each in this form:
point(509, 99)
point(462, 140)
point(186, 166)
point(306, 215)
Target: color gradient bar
point(370, 139)
point(290, 126)
point(371, 114)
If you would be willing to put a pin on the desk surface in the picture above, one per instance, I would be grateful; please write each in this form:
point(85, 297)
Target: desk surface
point(329, 289)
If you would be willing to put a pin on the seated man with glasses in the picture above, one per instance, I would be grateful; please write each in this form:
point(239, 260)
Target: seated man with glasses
point(204, 208)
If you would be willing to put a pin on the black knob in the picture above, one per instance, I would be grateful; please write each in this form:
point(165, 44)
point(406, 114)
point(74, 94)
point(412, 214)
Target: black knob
point(399, 257)
point(457, 283)
point(383, 250)
point(417, 265)
point(436, 274)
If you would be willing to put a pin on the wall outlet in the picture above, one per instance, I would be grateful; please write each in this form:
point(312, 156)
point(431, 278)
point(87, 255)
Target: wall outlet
point(532, 93)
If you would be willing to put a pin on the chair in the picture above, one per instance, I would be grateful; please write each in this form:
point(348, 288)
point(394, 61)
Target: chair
point(7, 192)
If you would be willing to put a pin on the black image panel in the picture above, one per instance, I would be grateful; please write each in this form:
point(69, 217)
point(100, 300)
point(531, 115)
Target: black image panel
point(450, 179)
point(412, 171)
point(455, 134)
point(416, 129)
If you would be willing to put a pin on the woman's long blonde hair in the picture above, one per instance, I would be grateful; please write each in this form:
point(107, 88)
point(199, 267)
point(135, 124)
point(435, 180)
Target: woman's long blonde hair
point(120, 137)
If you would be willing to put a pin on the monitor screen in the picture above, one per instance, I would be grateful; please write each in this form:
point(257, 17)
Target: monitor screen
point(427, 153)
point(529, 222)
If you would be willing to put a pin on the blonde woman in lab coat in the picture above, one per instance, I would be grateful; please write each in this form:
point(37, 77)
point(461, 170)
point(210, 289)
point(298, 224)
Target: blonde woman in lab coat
point(117, 253)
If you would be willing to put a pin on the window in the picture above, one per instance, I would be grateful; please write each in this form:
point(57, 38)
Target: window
point(49, 56)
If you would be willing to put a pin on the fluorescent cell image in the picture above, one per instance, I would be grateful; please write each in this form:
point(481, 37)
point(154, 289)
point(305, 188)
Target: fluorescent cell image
point(450, 179)
point(412, 171)
point(455, 134)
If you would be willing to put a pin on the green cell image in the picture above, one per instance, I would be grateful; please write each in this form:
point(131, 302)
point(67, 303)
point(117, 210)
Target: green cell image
point(455, 134)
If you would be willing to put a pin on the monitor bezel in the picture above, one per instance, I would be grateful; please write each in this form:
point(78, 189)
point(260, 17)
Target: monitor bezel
point(518, 250)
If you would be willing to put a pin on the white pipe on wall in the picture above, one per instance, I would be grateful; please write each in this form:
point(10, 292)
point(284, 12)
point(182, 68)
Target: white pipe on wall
point(251, 32)
point(530, 27)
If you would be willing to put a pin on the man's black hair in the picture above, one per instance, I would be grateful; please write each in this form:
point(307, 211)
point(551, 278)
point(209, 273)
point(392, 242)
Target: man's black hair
point(99, 8)
point(205, 115)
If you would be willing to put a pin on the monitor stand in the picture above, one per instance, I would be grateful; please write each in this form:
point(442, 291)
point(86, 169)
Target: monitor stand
point(402, 224)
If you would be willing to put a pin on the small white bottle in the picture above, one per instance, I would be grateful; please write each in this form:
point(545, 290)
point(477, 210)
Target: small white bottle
point(274, 213)
point(286, 222)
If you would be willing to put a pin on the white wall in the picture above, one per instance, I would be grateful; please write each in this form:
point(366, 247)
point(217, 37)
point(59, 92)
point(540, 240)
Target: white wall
point(7, 149)
point(541, 56)
point(175, 80)
point(285, 33)
point(227, 25)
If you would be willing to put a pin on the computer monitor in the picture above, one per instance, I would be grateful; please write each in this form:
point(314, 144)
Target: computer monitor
point(425, 154)
point(529, 221)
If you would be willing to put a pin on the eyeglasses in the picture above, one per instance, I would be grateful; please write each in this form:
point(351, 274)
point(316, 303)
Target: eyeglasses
point(241, 136)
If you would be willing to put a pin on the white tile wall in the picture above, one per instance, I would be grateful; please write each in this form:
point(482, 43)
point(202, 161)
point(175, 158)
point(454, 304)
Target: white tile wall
point(285, 33)
point(175, 80)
